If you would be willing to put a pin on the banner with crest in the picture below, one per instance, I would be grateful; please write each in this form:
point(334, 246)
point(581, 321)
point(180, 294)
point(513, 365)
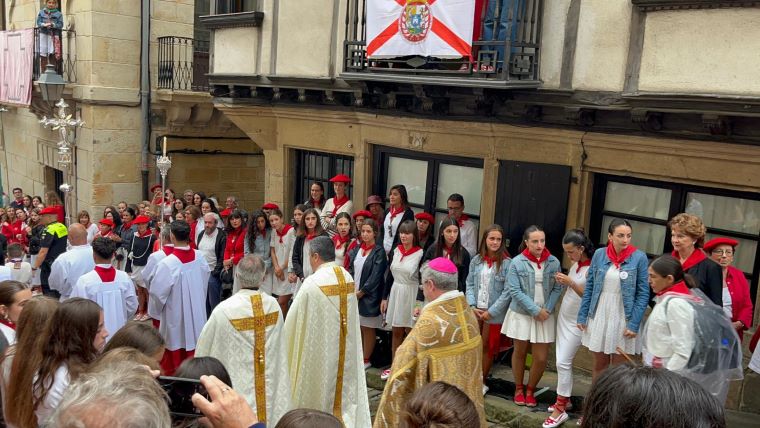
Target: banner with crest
point(435, 28)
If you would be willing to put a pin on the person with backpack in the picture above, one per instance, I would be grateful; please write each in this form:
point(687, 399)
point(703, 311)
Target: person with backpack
point(686, 333)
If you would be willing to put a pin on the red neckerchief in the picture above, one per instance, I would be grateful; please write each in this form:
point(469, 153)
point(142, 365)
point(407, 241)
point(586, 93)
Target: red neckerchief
point(463, 218)
point(148, 232)
point(366, 249)
point(168, 249)
point(447, 251)
point(355, 243)
point(106, 274)
point(338, 241)
point(582, 264)
point(311, 235)
point(127, 225)
point(338, 203)
point(405, 253)
point(695, 257)
point(281, 234)
point(618, 259)
point(544, 255)
point(185, 255)
point(394, 212)
point(110, 232)
point(315, 203)
point(677, 288)
point(490, 261)
point(8, 323)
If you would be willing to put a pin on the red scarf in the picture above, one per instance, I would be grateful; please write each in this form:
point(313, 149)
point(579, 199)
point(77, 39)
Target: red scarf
point(405, 253)
point(193, 225)
point(544, 255)
point(338, 203)
point(106, 274)
point(695, 257)
point(447, 251)
point(462, 218)
point(366, 248)
point(168, 249)
point(8, 323)
point(311, 235)
point(582, 264)
point(185, 255)
point(127, 225)
point(281, 234)
point(490, 261)
point(147, 233)
point(677, 288)
point(618, 259)
point(338, 241)
point(393, 212)
point(355, 243)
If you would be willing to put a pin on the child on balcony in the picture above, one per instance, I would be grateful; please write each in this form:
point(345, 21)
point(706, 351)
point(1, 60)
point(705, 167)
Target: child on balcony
point(48, 20)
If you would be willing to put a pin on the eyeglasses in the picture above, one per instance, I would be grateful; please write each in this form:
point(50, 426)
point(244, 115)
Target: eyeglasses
point(723, 252)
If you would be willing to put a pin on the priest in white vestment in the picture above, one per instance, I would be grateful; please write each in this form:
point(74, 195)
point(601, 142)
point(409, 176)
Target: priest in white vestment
point(112, 289)
point(71, 265)
point(324, 342)
point(244, 332)
point(178, 298)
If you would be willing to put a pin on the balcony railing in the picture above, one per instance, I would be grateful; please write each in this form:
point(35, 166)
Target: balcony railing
point(57, 47)
point(183, 64)
point(505, 51)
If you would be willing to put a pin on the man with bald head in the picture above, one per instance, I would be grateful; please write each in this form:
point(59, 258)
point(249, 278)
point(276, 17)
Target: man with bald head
point(71, 265)
point(211, 244)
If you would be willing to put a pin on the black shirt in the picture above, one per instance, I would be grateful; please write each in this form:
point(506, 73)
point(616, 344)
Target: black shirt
point(54, 238)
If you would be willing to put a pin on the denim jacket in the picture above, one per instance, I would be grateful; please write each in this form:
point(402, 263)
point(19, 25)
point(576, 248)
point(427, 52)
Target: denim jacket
point(498, 292)
point(635, 287)
point(521, 279)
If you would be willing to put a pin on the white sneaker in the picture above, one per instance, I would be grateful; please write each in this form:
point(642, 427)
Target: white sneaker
point(552, 423)
point(367, 365)
point(385, 374)
point(485, 389)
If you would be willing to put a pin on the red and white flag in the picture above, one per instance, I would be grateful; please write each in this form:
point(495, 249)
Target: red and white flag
point(435, 28)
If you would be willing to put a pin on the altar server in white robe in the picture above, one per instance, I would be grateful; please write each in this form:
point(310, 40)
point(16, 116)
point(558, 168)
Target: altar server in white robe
point(244, 332)
point(146, 274)
point(112, 289)
point(178, 298)
point(324, 342)
point(71, 265)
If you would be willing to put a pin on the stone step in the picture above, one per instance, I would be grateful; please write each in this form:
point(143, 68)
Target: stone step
point(501, 411)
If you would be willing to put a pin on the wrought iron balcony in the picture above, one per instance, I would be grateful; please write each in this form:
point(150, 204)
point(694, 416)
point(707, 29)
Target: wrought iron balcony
point(57, 47)
point(505, 52)
point(183, 64)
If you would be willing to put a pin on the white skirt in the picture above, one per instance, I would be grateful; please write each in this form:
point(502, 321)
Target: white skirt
point(136, 276)
point(401, 304)
point(525, 327)
point(604, 332)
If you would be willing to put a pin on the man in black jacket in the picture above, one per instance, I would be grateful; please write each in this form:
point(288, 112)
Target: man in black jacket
point(211, 243)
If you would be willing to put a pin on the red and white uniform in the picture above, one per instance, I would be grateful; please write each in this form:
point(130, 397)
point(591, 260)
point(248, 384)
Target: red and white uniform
point(113, 290)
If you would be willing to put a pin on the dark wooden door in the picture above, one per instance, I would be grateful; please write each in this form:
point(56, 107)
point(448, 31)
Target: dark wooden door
point(533, 193)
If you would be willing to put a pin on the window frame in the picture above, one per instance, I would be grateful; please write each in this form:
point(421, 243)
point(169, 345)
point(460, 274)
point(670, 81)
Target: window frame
point(678, 200)
point(303, 176)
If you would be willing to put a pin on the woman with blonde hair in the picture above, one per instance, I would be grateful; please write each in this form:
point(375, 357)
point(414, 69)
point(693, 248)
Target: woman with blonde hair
point(83, 217)
point(687, 234)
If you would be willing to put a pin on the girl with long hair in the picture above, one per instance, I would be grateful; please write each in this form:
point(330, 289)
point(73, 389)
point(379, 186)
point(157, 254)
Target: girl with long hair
point(13, 296)
point(342, 237)
point(449, 245)
point(309, 229)
point(281, 247)
point(398, 212)
point(258, 241)
point(234, 248)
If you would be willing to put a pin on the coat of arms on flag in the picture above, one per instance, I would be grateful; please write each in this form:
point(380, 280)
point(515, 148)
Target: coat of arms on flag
point(435, 28)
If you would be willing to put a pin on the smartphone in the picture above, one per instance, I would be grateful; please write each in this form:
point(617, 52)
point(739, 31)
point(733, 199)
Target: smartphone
point(180, 392)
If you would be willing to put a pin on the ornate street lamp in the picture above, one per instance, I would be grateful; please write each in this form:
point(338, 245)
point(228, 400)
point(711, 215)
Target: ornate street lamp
point(51, 85)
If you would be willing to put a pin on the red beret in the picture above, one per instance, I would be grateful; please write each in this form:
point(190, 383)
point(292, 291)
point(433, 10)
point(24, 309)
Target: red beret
point(225, 212)
point(141, 219)
point(270, 206)
point(155, 187)
point(49, 210)
point(107, 222)
point(425, 216)
point(720, 241)
point(340, 178)
point(362, 213)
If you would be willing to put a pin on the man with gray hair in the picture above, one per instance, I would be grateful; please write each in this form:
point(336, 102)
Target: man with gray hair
point(444, 345)
point(324, 341)
point(244, 331)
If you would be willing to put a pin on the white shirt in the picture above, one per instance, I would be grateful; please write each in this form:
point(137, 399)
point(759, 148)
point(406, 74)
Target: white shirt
point(69, 267)
point(92, 230)
point(389, 230)
point(22, 273)
point(54, 395)
point(469, 236)
point(207, 247)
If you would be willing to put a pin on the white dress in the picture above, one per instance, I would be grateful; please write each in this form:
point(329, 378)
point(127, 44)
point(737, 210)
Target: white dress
point(282, 250)
point(525, 327)
point(604, 332)
point(403, 296)
point(370, 322)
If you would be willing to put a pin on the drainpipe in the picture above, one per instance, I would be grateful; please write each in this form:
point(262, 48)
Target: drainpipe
point(145, 93)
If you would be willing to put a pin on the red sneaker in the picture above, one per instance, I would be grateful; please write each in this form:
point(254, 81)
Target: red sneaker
point(519, 398)
point(530, 400)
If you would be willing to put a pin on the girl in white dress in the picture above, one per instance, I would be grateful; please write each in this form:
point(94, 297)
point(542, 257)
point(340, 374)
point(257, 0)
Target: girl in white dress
point(579, 250)
point(401, 285)
point(342, 237)
point(530, 319)
point(309, 229)
point(281, 245)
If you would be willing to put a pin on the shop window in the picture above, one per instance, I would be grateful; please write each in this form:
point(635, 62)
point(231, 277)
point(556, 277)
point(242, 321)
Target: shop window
point(320, 167)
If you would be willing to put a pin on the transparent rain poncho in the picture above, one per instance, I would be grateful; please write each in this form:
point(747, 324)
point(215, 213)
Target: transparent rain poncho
point(690, 335)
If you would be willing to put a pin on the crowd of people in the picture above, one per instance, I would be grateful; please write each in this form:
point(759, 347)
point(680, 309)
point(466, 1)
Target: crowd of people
point(278, 315)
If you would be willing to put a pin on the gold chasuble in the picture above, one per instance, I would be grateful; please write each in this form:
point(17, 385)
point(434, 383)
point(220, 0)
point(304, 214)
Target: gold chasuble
point(445, 346)
point(324, 347)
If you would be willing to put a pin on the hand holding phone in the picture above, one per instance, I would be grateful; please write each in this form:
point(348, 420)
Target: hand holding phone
point(180, 392)
point(226, 409)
